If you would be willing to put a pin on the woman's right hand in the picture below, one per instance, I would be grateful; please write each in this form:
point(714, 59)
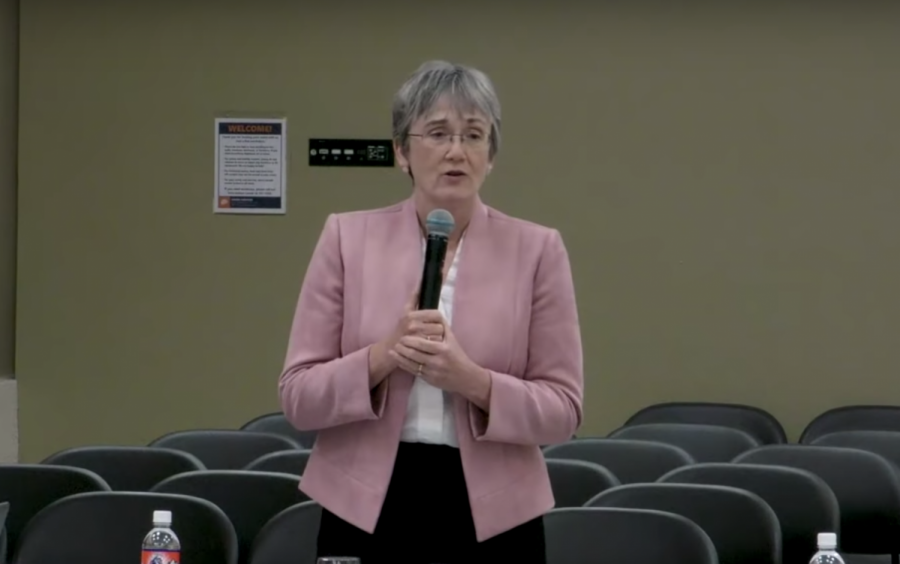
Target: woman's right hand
point(380, 362)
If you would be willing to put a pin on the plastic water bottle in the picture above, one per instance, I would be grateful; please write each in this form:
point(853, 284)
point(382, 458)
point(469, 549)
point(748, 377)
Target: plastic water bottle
point(827, 550)
point(161, 545)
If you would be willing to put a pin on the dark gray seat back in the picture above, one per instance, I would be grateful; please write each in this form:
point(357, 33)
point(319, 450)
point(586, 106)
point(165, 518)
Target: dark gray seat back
point(108, 527)
point(623, 536)
point(127, 468)
point(249, 499)
point(630, 461)
point(576, 481)
point(803, 502)
point(277, 423)
point(225, 449)
point(705, 443)
point(759, 423)
point(743, 528)
point(866, 486)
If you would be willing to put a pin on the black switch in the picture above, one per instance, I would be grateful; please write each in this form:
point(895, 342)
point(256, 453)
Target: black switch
point(351, 152)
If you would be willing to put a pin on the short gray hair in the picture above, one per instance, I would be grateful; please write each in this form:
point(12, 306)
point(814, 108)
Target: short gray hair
point(468, 89)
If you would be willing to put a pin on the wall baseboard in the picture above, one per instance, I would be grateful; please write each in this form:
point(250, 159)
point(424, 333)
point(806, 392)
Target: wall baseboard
point(9, 420)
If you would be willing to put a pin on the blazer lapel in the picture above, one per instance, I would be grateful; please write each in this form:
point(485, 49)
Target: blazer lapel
point(481, 305)
point(407, 257)
point(393, 266)
point(391, 273)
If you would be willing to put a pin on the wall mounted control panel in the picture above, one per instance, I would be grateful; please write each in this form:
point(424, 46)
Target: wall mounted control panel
point(351, 152)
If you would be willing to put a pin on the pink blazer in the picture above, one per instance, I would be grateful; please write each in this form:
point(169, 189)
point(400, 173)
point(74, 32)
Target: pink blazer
point(514, 313)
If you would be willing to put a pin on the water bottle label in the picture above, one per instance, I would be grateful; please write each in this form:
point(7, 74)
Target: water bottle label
point(160, 557)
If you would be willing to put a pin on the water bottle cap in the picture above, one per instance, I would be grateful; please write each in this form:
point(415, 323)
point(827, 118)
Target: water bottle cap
point(827, 541)
point(162, 517)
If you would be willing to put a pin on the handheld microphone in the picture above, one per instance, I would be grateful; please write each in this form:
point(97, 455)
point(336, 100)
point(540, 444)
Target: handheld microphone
point(438, 225)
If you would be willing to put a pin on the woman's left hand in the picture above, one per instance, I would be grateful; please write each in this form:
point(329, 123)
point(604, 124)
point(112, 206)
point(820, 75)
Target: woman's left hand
point(443, 364)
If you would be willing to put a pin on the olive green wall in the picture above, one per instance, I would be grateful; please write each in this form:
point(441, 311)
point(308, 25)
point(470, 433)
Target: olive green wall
point(726, 180)
point(9, 85)
point(9, 88)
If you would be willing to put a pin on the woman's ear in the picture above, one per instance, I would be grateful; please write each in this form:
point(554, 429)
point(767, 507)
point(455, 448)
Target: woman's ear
point(401, 159)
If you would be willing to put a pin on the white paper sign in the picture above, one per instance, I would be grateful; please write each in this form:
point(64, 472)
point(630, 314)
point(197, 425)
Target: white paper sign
point(250, 165)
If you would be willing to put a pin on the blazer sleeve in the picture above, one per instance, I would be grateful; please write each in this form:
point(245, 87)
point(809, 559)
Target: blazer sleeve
point(544, 406)
point(319, 387)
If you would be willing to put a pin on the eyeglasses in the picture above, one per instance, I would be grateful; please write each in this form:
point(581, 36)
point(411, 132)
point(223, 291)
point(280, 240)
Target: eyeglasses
point(442, 139)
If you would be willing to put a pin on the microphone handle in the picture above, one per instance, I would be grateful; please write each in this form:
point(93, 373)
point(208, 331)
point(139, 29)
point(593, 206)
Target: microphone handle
point(433, 272)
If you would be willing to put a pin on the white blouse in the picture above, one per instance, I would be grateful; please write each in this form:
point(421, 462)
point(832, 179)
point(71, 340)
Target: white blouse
point(429, 413)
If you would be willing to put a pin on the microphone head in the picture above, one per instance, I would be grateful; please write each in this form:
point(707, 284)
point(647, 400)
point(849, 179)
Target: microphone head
point(440, 222)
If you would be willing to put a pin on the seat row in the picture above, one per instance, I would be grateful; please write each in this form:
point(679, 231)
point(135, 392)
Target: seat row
point(760, 425)
point(763, 509)
point(764, 427)
point(653, 443)
point(106, 527)
point(641, 453)
point(800, 490)
point(809, 488)
point(138, 469)
point(248, 499)
point(728, 429)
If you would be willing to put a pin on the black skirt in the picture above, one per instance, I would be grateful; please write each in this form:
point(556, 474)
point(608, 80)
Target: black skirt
point(426, 519)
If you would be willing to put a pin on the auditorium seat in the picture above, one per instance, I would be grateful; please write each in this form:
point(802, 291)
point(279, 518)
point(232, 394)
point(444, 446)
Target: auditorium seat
point(4, 511)
point(866, 486)
point(883, 443)
point(277, 423)
point(249, 499)
point(289, 537)
point(742, 527)
point(127, 468)
point(107, 528)
point(852, 418)
point(630, 461)
point(803, 502)
point(284, 461)
point(705, 443)
point(29, 488)
point(225, 449)
point(576, 481)
point(621, 536)
point(757, 422)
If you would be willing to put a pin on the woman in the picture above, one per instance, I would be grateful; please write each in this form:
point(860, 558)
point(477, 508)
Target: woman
point(430, 421)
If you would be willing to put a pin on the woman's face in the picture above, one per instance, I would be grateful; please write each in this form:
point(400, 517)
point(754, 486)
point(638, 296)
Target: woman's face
point(448, 153)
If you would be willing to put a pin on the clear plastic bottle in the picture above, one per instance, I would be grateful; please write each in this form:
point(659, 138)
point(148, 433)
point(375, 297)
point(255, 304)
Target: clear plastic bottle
point(161, 545)
point(827, 550)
